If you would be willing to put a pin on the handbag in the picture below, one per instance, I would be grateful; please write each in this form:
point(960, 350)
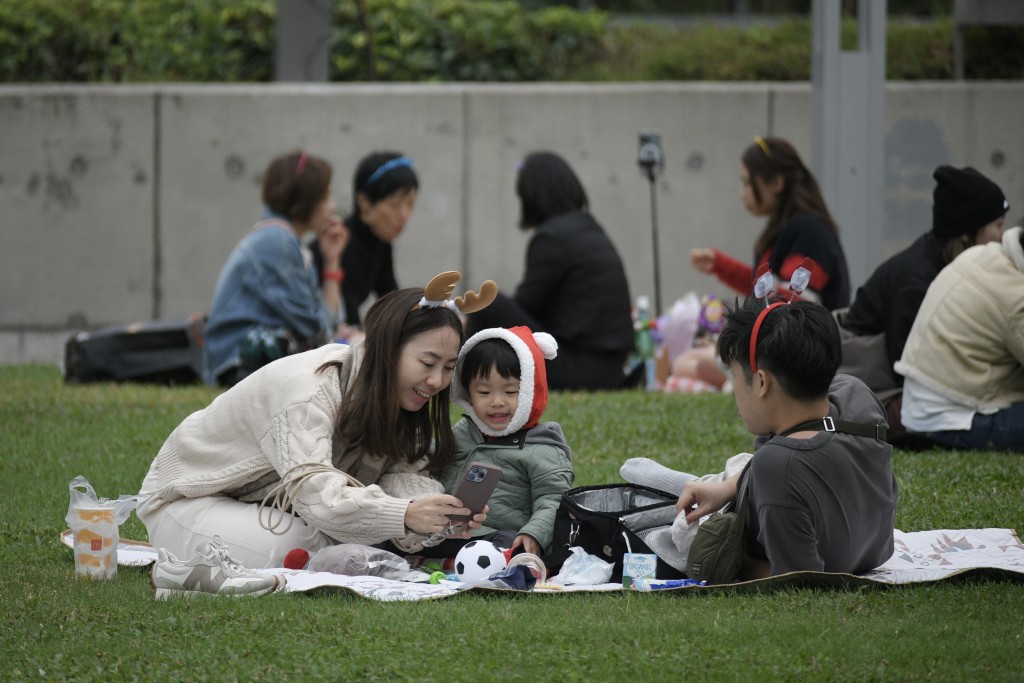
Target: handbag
point(609, 520)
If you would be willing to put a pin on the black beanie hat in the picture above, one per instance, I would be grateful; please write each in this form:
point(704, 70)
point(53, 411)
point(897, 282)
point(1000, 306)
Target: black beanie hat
point(964, 202)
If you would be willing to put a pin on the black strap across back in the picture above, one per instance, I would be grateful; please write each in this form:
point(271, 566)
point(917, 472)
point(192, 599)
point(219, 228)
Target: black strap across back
point(827, 424)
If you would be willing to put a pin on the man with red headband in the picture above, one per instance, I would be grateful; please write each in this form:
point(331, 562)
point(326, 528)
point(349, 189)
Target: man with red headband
point(820, 492)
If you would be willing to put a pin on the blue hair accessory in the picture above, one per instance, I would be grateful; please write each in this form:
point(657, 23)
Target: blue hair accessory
point(391, 165)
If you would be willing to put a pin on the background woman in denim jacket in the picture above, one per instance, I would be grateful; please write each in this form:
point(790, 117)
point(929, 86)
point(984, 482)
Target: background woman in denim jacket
point(268, 302)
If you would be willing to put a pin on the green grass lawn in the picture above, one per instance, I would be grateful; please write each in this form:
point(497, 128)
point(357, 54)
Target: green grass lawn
point(55, 627)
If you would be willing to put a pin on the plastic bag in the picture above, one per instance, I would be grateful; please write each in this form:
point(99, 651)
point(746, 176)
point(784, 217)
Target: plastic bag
point(94, 522)
point(583, 569)
point(353, 559)
point(679, 326)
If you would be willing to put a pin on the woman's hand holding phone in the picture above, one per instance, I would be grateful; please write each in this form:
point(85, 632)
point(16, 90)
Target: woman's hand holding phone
point(432, 514)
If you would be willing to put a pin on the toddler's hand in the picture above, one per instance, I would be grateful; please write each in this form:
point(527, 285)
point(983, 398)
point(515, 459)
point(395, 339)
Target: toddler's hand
point(529, 544)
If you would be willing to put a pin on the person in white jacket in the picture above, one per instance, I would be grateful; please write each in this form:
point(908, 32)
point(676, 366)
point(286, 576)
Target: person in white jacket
point(334, 445)
point(964, 358)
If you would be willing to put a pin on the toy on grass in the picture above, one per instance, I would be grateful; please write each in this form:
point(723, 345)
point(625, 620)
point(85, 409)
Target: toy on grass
point(477, 560)
point(712, 314)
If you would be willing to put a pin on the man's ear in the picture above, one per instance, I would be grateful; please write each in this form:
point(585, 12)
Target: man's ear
point(763, 382)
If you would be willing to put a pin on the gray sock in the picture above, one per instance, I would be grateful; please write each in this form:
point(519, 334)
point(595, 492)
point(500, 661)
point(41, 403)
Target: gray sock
point(646, 472)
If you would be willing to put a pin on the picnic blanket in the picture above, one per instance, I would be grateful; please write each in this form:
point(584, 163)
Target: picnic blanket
point(920, 557)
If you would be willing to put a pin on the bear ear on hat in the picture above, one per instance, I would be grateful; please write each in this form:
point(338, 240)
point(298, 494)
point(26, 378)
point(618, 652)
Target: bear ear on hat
point(547, 344)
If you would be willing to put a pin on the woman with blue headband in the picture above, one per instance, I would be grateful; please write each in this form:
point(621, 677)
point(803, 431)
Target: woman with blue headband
point(384, 191)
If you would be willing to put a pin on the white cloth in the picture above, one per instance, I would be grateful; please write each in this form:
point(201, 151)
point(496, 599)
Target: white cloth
point(925, 410)
point(647, 472)
point(683, 533)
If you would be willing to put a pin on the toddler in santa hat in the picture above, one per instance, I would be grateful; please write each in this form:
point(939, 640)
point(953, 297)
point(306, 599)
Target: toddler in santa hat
point(501, 382)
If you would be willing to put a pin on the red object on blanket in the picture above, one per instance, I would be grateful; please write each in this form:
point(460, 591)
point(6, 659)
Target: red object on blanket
point(296, 559)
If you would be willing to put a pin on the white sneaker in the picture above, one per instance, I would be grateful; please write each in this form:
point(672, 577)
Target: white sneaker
point(211, 572)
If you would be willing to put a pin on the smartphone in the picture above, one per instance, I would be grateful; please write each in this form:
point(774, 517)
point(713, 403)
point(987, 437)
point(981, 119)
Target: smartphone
point(475, 488)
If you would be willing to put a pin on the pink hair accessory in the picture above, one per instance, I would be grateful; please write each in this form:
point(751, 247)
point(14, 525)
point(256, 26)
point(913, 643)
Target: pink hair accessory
point(300, 165)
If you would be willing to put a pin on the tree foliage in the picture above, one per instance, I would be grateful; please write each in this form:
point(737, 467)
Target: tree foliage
point(444, 40)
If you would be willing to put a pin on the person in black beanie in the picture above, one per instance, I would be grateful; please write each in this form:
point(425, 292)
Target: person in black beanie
point(967, 209)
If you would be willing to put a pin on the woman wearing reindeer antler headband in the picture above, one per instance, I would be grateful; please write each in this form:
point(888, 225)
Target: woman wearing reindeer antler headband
point(334, 445)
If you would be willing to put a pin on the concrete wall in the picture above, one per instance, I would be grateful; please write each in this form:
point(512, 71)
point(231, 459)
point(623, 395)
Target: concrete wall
point(121, 203)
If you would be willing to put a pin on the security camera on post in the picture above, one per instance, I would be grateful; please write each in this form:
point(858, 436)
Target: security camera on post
point(652, 161)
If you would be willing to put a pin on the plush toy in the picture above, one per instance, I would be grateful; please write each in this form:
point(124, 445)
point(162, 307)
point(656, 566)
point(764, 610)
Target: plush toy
point(477, 560)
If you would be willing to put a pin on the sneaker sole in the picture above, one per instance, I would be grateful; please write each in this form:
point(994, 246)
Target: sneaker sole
point(174, 593)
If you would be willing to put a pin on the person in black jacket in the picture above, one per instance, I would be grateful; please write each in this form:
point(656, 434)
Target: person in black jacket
point(574, 287)
point(384, 190)
point(967, 209)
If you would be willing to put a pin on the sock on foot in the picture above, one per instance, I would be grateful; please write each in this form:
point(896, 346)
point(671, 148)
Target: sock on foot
point(647, 472)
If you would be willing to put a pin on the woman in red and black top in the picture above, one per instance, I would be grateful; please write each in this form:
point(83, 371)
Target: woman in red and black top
point(776, 184)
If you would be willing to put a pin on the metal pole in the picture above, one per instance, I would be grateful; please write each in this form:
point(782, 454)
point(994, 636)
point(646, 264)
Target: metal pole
point(652, 161)
point(654, 243)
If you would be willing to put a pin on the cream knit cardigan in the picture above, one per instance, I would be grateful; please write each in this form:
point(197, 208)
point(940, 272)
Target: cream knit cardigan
point(967, 342)
point(283, 415)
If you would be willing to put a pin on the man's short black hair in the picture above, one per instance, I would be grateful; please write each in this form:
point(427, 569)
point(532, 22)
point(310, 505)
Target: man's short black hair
point(489, 354)
point(798, 343)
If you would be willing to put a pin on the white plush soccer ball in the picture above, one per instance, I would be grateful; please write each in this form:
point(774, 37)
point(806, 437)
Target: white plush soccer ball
point(477, 560)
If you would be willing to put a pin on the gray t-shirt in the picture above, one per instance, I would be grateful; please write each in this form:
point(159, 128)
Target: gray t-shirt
point(827, 503)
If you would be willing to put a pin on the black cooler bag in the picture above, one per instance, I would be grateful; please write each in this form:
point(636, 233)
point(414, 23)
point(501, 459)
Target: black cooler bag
point(600, 518)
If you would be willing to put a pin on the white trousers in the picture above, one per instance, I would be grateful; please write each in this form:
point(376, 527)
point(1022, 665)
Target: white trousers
point(184, 524)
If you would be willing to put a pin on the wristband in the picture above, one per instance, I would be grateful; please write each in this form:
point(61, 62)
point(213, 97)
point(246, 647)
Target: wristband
point(334, 275)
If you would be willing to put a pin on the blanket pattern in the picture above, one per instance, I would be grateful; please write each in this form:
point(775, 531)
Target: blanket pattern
point(919, 557)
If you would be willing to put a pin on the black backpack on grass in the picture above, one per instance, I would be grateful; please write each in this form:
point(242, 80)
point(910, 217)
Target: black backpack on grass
point(159, 352)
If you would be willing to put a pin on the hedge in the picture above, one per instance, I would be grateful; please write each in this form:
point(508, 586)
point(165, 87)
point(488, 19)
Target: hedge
point(442, 40)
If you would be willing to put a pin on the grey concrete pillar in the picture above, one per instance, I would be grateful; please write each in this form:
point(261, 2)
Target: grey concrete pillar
point(302, 43)
point(849, 128)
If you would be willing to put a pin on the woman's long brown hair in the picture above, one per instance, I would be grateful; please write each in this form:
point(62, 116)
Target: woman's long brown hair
point(370, 416)
point(800, 191)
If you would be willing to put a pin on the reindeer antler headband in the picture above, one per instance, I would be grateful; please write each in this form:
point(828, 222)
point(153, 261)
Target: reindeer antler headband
point(438, 293)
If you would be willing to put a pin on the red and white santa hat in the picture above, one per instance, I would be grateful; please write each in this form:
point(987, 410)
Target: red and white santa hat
point(532, 348)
